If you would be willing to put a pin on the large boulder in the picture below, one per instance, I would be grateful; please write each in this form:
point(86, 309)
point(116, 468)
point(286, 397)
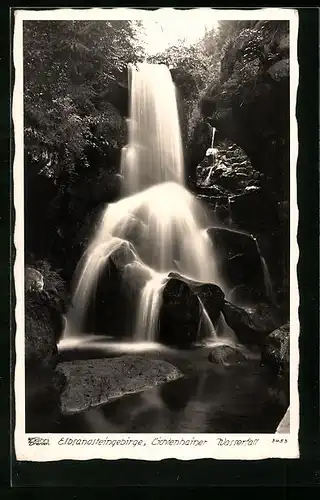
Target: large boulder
point(250, 327)
point(43, 328)
point(179, 314)
point(113, 299)
point(184, 304)
point(97, 381)
point(41, 331)
point(210, 295)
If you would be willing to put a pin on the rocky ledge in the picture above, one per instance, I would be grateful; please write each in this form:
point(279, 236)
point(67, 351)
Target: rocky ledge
point(97, 381)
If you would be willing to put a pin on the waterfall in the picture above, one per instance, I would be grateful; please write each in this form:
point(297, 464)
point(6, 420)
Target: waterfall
point(266, 275)
point(154, 152)
point(229, 211)
point(149, 308)
point(157, 222)
point(212, 138)
point(267, 279)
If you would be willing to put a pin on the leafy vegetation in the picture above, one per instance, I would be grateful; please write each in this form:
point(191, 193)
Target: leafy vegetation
point(69, 68)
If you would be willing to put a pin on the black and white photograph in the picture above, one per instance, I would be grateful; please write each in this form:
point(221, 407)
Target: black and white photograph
point(155, 234)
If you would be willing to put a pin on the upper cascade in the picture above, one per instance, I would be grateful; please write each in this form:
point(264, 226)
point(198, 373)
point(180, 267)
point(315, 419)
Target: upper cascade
point(154, 151)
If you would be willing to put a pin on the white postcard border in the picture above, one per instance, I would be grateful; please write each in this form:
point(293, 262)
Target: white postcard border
point(224, 446)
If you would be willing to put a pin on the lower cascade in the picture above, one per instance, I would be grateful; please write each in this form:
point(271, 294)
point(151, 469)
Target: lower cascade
point(158, 225)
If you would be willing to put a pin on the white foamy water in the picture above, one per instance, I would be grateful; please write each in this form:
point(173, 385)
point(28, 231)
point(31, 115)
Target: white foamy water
point(149, 308)
point(154, 152)
point(157, 223)
point(107, 344)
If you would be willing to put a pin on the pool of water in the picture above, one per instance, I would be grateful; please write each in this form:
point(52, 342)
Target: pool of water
point(210, 398)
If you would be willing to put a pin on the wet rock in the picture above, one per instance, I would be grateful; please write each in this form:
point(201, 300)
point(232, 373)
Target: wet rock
point(276, 350)
point(111, 306)
point(43, 328)
point(243, 296)
point(179, 314)
point(240, 259)
point(266, 315)
point(211, 296)
point(97, 381)
point(226, 355)
point(229, 169)
point(248, 328)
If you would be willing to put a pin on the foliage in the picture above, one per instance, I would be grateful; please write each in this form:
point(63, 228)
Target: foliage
point(69, 66)
point(248, 50)
point(197, 60)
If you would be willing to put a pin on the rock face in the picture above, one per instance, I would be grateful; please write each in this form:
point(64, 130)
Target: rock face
point(113, 305)
point(43, 327)
point(181, 314)
point(249, 103)
point(97, 381)
point(229, 169)
point(240, 259)
point(211, 296)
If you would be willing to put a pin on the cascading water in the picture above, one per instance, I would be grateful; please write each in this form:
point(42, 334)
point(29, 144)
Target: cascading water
point(154, 152)
point(229, 211)
point(157, 223)
point(149, 308)
point(266, 276)
point(212, 137)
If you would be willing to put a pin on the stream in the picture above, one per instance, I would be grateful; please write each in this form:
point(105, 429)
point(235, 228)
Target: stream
point(240, 398)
